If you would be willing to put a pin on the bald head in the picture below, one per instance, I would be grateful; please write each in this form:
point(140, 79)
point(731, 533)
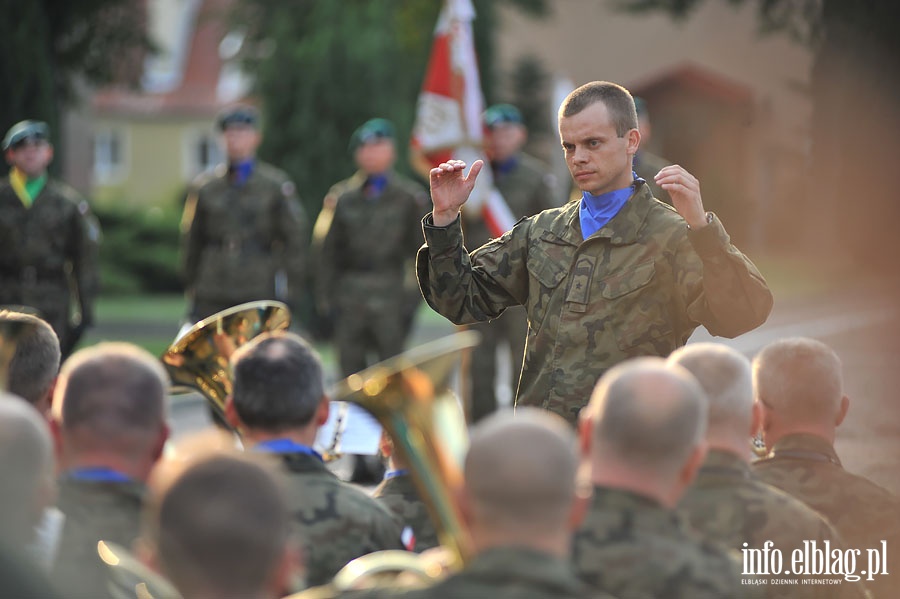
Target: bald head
point(724, 375)
point(647, 417)
point(799, 379)
point(520, 472)
point(111, 397)
point(26, 468)
point(35, 361)
point(219, 526)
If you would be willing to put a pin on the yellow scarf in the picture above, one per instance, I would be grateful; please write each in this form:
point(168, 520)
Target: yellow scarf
point(18, 180)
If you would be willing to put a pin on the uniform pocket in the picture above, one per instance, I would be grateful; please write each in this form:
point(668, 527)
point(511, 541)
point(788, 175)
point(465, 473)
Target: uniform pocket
point(640, 307)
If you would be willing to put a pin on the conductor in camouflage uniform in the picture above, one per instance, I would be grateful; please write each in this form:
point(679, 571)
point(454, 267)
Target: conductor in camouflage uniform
point(642, 440)
point(527, 188)
point(728, 503)
point(799, 388)
point(278, 404)
point(365, 270)
point(244, 233)
point(48, 238)
point(615, 275)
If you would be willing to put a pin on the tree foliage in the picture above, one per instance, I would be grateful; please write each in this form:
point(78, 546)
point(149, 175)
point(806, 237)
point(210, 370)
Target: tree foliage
point(47, 47)
point(322, 68)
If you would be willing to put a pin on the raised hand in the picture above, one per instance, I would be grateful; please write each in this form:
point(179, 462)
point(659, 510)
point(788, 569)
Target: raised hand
point(684, 190)
point(450, 189)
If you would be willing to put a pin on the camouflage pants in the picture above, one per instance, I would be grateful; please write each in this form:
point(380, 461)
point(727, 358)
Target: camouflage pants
point(375, 328)
point(510, 329)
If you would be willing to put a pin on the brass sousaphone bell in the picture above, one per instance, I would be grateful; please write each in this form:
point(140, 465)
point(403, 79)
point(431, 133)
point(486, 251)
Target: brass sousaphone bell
point(199, 358)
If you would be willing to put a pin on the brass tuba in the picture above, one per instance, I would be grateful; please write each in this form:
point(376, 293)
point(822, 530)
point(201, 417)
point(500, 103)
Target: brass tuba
point(411, 398)
point(199, 357)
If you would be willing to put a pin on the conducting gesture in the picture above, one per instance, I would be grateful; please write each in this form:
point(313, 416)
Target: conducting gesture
point(684, 190)
point(450, 189)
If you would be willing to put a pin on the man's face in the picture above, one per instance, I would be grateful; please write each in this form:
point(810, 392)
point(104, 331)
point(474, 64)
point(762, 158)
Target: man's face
point(31, 156)
point(503, 140)
point(599, 160)
point(241, 141)
point(376, 156)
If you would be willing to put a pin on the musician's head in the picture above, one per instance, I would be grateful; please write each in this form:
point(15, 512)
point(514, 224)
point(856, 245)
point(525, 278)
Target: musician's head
point(278, 386)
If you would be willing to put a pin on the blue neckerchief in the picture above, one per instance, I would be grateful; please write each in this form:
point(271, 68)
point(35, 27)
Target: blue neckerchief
point(395, 473)
point(286, 446)
point(505, 167)
point(375, 185)
point(596, 211)
point(97, 474)
point(241, 171)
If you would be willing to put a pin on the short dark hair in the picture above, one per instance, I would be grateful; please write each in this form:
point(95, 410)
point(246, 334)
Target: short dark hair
point(222, 524)
point(617, 99)
point(35, 361)
point(278, 382)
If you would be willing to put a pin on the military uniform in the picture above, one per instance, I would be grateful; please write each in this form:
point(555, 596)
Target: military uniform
point(94, 511)
point(807, 467)
point(728, 504)
point(238, 240)
point(46, 250)
point(399, 495)
point(364, 271)
point(638, 286)
point(631, 546)
point(335, 522)
point(508, 573)
point(527, 189)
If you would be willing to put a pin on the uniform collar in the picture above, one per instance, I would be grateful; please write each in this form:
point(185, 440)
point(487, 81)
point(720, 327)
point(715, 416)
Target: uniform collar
point(622, 229)
point(720, 463)
point(799, 445)
point(526, 565)
point(652, 514)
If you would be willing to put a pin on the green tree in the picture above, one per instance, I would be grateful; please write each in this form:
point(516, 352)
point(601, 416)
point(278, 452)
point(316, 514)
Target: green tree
point(48, 46)
point(322, 68)
point(855, 139)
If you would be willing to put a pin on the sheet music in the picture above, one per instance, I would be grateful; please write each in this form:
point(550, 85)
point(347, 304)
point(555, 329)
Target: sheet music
point(349, 430)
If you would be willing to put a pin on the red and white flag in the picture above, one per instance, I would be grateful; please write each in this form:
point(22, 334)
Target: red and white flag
point(448, 115)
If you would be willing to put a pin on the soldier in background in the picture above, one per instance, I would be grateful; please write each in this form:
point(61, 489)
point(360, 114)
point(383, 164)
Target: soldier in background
point(799, 388)
point(109, 421)
point(646, 163)
point(365, 278)
point(48, 238)
point(244, 233)
point(527, 188)
point(278, 404)
point(727, 502)
point(642, 437)
point(35, 362)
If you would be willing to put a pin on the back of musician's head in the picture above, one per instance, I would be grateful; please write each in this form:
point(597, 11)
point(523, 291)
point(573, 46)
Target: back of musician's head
point(26, 469)
point(647, 418)
point(111, 397)
point(799, 379)
point(724, 374)
point(220, 527)
point(35, 362)
point(278, 382)
point(520, 472)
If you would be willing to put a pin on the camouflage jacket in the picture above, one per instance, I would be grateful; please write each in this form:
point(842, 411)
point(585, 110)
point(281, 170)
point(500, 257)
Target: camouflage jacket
point(40, 246)
point(509, 573)
point(638, 286)
point(94, 511)
point(400, 496)
point(807, 467)
point(335, 521)
point(527, 189)
point(728, 504)
point(235, 239)
point(369, 246)
point(632, 547)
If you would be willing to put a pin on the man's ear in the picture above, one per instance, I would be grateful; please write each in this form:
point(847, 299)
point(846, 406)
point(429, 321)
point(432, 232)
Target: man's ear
point(692, 466)
point(842, 411)
point(584, 492)
point(58, 443)
point(585, 435)
point(633, 141)
point(322, 411)
point(756, 418)
point(231, 415)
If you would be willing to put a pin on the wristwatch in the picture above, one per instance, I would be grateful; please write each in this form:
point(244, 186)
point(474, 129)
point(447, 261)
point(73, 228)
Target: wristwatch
point(709, 219)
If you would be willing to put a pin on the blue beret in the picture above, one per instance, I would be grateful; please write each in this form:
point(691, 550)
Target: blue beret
point(238, 115)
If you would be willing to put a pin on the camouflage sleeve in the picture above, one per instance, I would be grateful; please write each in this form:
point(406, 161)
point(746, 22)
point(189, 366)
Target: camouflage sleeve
point(86, 260)
point(191, 238)
point(293, 232)
point(467, 288)
point(728, 295)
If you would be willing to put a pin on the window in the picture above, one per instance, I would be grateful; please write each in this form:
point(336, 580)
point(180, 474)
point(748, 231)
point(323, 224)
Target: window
point(109, 156)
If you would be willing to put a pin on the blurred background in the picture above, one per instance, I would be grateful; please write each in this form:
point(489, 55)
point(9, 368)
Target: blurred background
point(788, 111)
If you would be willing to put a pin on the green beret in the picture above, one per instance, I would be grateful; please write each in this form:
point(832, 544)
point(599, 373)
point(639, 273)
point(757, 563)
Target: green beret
point(241, 114)
point(500, 114)
point(25, 130)
point(372, 130)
